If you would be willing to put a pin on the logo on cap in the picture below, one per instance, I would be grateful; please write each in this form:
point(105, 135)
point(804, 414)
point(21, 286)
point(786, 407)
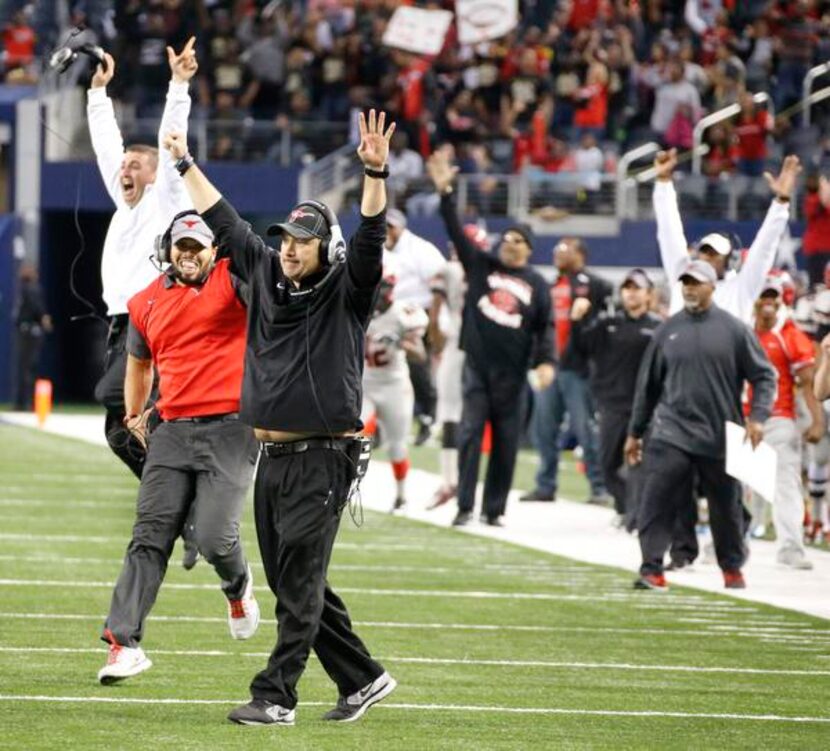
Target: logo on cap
point(299, 214)
point(191, 223)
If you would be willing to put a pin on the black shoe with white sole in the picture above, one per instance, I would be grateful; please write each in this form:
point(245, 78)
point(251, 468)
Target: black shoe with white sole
point(352, 707)
point(261, 712)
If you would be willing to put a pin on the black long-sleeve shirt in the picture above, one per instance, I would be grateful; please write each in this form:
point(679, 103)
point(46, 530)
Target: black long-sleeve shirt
point(614, 346)
point(691, 379)
point(506, 319)
point(304, 354)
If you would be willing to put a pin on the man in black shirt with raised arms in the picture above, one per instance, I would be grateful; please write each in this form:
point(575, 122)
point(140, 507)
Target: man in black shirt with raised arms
point(310, 305)
point(505, 330)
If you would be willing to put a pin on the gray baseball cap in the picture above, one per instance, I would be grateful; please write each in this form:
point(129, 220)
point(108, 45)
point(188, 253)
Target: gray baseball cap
point(700, 270)
point(396, 218)
point(193, 227)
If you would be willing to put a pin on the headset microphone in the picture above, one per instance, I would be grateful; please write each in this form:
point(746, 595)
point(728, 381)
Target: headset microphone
point(63, 57)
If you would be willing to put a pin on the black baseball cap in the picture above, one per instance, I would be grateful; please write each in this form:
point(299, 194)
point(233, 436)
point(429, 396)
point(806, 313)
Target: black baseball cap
point(523, 230)
point(304, 222)
point(639, 278)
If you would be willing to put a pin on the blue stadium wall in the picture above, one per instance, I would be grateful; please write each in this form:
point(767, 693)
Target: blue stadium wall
point(72, 193)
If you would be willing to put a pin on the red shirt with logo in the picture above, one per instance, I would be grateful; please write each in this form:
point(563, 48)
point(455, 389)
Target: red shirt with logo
point(561, 301)
point(752, 135)
point(196, 336)
point(789, 350)
point(816, 237)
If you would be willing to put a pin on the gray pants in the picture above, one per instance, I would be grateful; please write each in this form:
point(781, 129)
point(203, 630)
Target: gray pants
point(207, 465)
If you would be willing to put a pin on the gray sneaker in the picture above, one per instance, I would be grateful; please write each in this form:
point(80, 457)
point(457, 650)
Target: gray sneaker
point(351, 708)
point(261, 712)
point(794, 559)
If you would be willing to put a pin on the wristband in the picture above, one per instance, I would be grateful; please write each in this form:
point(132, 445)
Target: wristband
point(184, 164)
point(783, 199)
point(378, 174)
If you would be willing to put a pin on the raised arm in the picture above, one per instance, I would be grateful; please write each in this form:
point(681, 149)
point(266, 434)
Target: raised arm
point(234, 236)
point(762, 252)
point(671, 239)
point(365, 260)
point(183, 67)
point(103, 129)
point(443, 175)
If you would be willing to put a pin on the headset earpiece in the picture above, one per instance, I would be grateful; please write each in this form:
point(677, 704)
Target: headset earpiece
point(164, 243)
point(333, 248)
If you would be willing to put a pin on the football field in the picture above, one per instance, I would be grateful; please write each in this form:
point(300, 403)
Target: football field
point(494, 646)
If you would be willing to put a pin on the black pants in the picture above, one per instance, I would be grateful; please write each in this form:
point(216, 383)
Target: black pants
point(298, 499)
point(420, 375)
point(198, 469)
point(613, 429)
point(29, 343)
point(109, 391)
point(668, 470)
point(498, 396)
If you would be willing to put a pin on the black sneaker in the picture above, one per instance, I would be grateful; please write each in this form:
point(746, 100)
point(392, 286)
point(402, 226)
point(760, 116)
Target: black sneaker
point(351, 708)
point(538, 495)
point(262, 712)
point(462, 519)
point(424, 432)
point(400, 505)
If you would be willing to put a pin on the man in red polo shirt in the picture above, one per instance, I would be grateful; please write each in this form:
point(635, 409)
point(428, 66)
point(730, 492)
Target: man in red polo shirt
point(190, 323)
point(791, 353)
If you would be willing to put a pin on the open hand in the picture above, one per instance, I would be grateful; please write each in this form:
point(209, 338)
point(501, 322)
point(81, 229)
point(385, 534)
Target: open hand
point(183, 66)
point(441, 171)
point(374, 140)
point(102, 77)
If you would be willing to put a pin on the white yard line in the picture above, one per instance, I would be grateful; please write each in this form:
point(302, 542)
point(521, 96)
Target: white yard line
point(499, 710)
point(454, 661)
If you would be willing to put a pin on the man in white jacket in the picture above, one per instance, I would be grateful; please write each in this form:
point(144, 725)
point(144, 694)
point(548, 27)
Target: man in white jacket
point(735, 292)
point(147, 193)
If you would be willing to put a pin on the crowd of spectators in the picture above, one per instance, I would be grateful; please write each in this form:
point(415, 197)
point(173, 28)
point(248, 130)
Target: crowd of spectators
point(622, 72)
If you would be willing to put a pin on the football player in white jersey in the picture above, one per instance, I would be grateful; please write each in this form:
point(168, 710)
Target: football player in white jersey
point(395, 332)
point(448, 288)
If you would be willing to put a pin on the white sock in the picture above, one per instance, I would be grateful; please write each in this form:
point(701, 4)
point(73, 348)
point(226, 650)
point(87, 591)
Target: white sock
point(401, 486)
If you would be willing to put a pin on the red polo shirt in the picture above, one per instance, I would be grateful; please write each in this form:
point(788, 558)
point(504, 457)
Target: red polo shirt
point(789, 350)
point(196, 337)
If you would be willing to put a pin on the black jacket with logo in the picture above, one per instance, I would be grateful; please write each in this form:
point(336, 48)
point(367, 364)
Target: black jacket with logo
point(506, 320)
point(304, 354)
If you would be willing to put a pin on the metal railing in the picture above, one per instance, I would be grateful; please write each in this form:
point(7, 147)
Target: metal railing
point(626, 185)
point(717, 117)
point(336, 172)
point(807, 91)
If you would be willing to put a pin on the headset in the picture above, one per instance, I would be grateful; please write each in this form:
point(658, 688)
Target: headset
point(163, 243)
point(333, 247)
point(63, 57)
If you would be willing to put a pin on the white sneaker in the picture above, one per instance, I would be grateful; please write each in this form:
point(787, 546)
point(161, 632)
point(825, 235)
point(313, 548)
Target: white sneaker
point(123, 662)
point(794, 559)
point(243, 614)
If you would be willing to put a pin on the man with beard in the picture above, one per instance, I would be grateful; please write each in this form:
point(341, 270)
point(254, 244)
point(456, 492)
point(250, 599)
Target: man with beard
point(689, 384)
point(190, 324)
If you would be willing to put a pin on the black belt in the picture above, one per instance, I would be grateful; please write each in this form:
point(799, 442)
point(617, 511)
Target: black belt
point(273, 448)
point(224, 417)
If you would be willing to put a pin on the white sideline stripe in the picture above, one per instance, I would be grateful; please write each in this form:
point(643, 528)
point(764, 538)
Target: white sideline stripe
point(466, 594)
point(453, 661)
point(122, 540)
point(751, 632)
point(440, 707)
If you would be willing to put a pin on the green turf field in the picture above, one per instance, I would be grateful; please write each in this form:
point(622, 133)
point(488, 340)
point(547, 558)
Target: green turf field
point(494, 646)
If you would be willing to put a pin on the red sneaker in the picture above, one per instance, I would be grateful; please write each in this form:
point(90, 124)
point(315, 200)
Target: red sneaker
point(657, 582)
point(734, 579)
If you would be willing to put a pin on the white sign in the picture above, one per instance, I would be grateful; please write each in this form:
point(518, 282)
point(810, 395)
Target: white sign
point(480, 20)
point(417, 30)
point(757, 468)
